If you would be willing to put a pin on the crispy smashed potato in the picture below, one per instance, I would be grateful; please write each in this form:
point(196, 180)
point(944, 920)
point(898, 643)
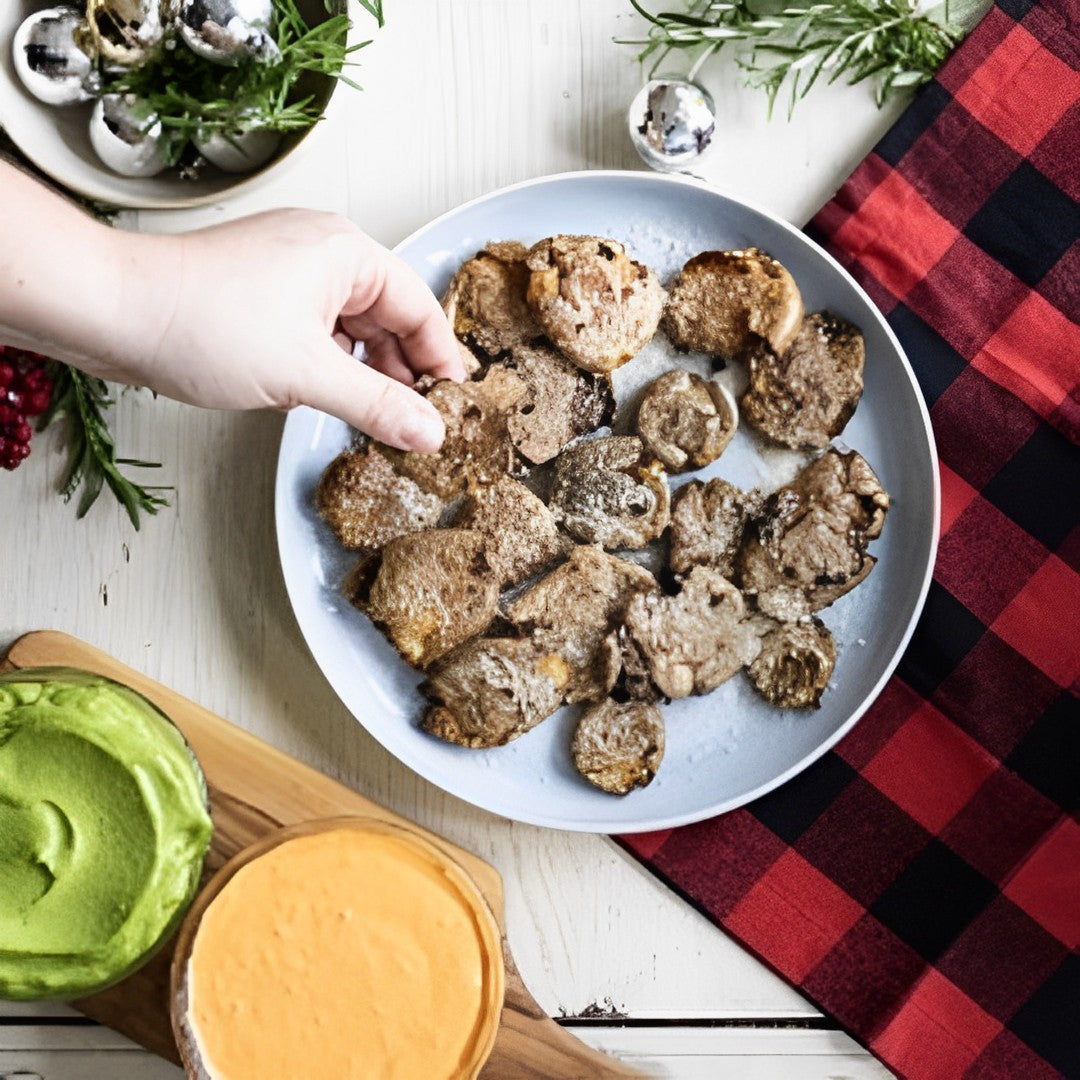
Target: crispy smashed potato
point(686, 421)
point(430, 592)
point(609, 492)
point(595, 303)
point(492, 690)
point(367, 504)
point(725, 303)
point(618, 746)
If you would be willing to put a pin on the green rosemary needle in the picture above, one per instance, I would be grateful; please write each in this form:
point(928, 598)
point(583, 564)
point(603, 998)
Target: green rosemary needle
point(373, 7)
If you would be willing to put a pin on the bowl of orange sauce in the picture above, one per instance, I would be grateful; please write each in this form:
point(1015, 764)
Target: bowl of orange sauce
point(345, 947)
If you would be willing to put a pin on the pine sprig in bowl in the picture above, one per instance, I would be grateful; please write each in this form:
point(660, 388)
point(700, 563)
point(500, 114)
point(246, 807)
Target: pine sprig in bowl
point(280, 97)
point(194, 97)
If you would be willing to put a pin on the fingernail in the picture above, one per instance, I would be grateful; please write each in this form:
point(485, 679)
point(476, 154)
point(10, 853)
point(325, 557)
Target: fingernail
point(423, 430)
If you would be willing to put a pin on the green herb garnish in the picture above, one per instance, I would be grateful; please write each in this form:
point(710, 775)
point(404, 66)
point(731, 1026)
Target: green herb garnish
point(193, 96)
point(885, 40)
point(92, 461)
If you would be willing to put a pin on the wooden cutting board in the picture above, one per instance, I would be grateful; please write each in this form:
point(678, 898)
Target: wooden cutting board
point(255, 789)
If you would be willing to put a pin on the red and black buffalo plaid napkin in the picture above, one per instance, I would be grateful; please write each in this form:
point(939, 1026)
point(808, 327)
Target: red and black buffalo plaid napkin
point(921, 882)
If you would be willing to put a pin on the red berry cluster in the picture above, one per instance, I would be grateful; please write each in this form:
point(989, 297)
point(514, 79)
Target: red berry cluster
point(25, 391)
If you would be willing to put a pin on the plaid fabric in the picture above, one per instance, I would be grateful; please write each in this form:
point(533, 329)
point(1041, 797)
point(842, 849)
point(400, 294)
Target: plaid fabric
point(921, 882)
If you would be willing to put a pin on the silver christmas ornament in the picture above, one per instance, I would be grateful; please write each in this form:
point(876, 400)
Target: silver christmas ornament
point(228, 31)
point(48, 58)
point(671, 123)
point(124, 32)
point(127, 136)
point(238, 151)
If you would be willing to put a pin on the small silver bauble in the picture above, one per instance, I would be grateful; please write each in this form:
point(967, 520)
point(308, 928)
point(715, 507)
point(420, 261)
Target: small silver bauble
point(49, 61)
point(238, 151)
point(229, 31)
point(671, 123)
point(127, 136)
point(124, 32)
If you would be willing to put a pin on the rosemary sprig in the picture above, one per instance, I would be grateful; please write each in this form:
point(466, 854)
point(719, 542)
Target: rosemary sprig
point(885, 40)
point(92, 460)
point(373, 7)
point(194, 96)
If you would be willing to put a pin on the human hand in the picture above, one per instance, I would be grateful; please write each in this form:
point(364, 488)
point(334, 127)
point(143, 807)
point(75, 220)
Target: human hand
point(261, 311)
point(266, 310)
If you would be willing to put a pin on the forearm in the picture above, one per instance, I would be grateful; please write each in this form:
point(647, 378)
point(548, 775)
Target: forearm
point(71, 287)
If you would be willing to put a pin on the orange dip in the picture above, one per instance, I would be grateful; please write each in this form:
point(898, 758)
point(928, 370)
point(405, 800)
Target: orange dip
point(359, 951)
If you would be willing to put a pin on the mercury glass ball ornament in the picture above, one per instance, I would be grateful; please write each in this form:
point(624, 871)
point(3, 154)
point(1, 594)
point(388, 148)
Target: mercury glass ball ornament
point(229, 31)
point(671, 123)
point(238, 151)
point(48, 59)
point(127, 136)
point(125, 32)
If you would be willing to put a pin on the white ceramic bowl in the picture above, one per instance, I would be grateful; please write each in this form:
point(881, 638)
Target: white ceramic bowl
point(730, 746)
point(57, 139)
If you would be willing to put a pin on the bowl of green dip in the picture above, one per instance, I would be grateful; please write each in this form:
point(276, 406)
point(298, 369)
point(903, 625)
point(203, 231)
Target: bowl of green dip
point(103, 830)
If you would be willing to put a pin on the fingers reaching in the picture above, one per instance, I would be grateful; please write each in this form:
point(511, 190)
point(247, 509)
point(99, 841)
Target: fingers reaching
point(394, 299)
point(384, 354)
point(372, 402)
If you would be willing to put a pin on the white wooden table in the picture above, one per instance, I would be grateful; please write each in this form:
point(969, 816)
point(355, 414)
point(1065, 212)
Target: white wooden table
point(461, 97)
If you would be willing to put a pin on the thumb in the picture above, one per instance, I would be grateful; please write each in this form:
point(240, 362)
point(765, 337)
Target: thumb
point(381, 407)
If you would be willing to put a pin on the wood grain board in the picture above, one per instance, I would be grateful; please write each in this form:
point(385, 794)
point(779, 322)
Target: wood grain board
point(254, 789)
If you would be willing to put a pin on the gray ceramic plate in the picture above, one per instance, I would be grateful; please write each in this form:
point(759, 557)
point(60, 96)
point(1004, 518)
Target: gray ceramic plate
point(728, 747)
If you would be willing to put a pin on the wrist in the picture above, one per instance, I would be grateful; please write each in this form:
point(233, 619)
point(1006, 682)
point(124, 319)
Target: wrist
point(118, 313)
point(73, 288)
point(145, 270)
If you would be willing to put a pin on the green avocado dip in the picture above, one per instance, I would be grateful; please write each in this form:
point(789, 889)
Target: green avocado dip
point(103, 830)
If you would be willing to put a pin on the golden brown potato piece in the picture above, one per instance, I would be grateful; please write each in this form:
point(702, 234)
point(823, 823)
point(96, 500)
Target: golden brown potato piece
point(808, 546)
point(594, 302)
point(428, 592)
point(563, 401)
point(805, 397)
point(689, 643)
point(795, 664)
point(707, 522)
point(477, 445)
point(492, 690)
point(686, 421)
point(520, 531)
point(367, 504)
point(619, 746)
point(485, 302)
point(725, 302)
point(573, 612)
point(609, 492)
